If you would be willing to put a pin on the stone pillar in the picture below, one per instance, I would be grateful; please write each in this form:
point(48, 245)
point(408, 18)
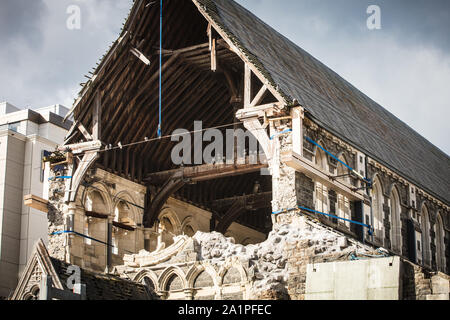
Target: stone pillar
point(147, 239)
point(189, 294)
point(283, 176)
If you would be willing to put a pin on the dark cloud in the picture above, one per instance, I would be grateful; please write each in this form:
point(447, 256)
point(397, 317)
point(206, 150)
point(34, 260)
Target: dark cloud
point(21, 19)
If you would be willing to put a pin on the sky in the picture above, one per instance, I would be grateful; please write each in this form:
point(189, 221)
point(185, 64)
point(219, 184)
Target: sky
point(404, 66)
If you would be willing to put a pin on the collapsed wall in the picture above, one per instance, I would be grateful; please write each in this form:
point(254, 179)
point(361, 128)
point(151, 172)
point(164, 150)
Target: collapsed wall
point(274, 269)
point(279, 263)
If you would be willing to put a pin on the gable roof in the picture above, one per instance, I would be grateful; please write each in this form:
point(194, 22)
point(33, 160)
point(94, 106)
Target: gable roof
point(331, 101)
point(98, 286)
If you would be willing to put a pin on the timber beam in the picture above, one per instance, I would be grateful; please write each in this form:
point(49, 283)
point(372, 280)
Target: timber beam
point(251, 201)
point(236, 210)
point(172, 185)
point(206, 172)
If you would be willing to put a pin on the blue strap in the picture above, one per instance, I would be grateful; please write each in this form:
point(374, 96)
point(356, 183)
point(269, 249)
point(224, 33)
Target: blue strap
point(160, 68)
point(280, 133)
point(335, 158)
point(62, 177)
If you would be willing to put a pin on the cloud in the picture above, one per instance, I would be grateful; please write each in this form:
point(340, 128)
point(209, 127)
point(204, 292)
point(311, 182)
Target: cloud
point(20, 20)
point(43, 62)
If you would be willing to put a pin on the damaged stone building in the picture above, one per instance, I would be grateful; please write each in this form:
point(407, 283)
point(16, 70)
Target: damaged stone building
point(343, 184)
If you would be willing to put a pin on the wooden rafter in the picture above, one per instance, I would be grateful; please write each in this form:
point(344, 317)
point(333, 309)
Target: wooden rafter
point(206, 172)
point(173, 184)
point(230, 216)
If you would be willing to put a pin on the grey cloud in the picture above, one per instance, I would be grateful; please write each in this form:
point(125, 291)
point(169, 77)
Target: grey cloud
point(21, 19)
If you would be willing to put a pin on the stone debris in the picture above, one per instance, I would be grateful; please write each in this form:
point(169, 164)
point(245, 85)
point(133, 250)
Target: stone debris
point(269, 260)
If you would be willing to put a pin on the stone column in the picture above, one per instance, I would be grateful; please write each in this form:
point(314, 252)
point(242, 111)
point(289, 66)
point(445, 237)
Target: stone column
point(283, 176)
point(147, 240)
point(189, 294)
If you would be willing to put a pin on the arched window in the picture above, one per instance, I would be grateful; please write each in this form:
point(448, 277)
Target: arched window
point(396, 228)
point(440, 245)
point(95, 202)
point(321, 159)
point(123, 214)
point(425, 226)
point(188, 231)
point(377, 210)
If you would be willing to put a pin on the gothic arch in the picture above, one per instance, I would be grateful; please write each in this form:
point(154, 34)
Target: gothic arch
point(320, 158)
point(168, 219)
point(196, 270)
point(440, 243)
point(167, 275)
point(126, 198)
point(189, 222)
point(425, 226)
point(395, 217)
point(377, 208)
point(97, 198)
point(172, 217)
point(233, 265)
point(147, 274)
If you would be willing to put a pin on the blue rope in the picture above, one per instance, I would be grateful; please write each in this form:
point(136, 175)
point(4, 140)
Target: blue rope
point(280, 133)
point(61, 177)
point(160, 68)
point(335, 158)
point(328, 215)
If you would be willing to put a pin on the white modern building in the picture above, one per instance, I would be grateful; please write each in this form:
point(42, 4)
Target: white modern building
point(24, 136)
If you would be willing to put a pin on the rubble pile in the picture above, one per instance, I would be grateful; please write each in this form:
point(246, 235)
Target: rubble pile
point(269, 260)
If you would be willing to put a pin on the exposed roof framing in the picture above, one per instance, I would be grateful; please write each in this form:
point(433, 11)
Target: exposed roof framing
point(128, 90)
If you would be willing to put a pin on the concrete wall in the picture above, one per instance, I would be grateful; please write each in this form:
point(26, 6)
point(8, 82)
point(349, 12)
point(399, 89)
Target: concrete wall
point(374, 279)
point(12, 153)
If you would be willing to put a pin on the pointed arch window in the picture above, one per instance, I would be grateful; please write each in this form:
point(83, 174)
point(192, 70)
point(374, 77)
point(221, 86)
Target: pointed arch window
point(377, 210)
point(439, 242)
point(396, 228)
point(320, 160)
point(425, 226)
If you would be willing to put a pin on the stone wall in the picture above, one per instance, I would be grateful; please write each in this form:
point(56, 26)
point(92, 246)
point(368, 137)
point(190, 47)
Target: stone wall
point(410, 203)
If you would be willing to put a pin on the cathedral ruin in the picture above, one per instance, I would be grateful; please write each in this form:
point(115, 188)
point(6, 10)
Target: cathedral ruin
point(341, 183)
